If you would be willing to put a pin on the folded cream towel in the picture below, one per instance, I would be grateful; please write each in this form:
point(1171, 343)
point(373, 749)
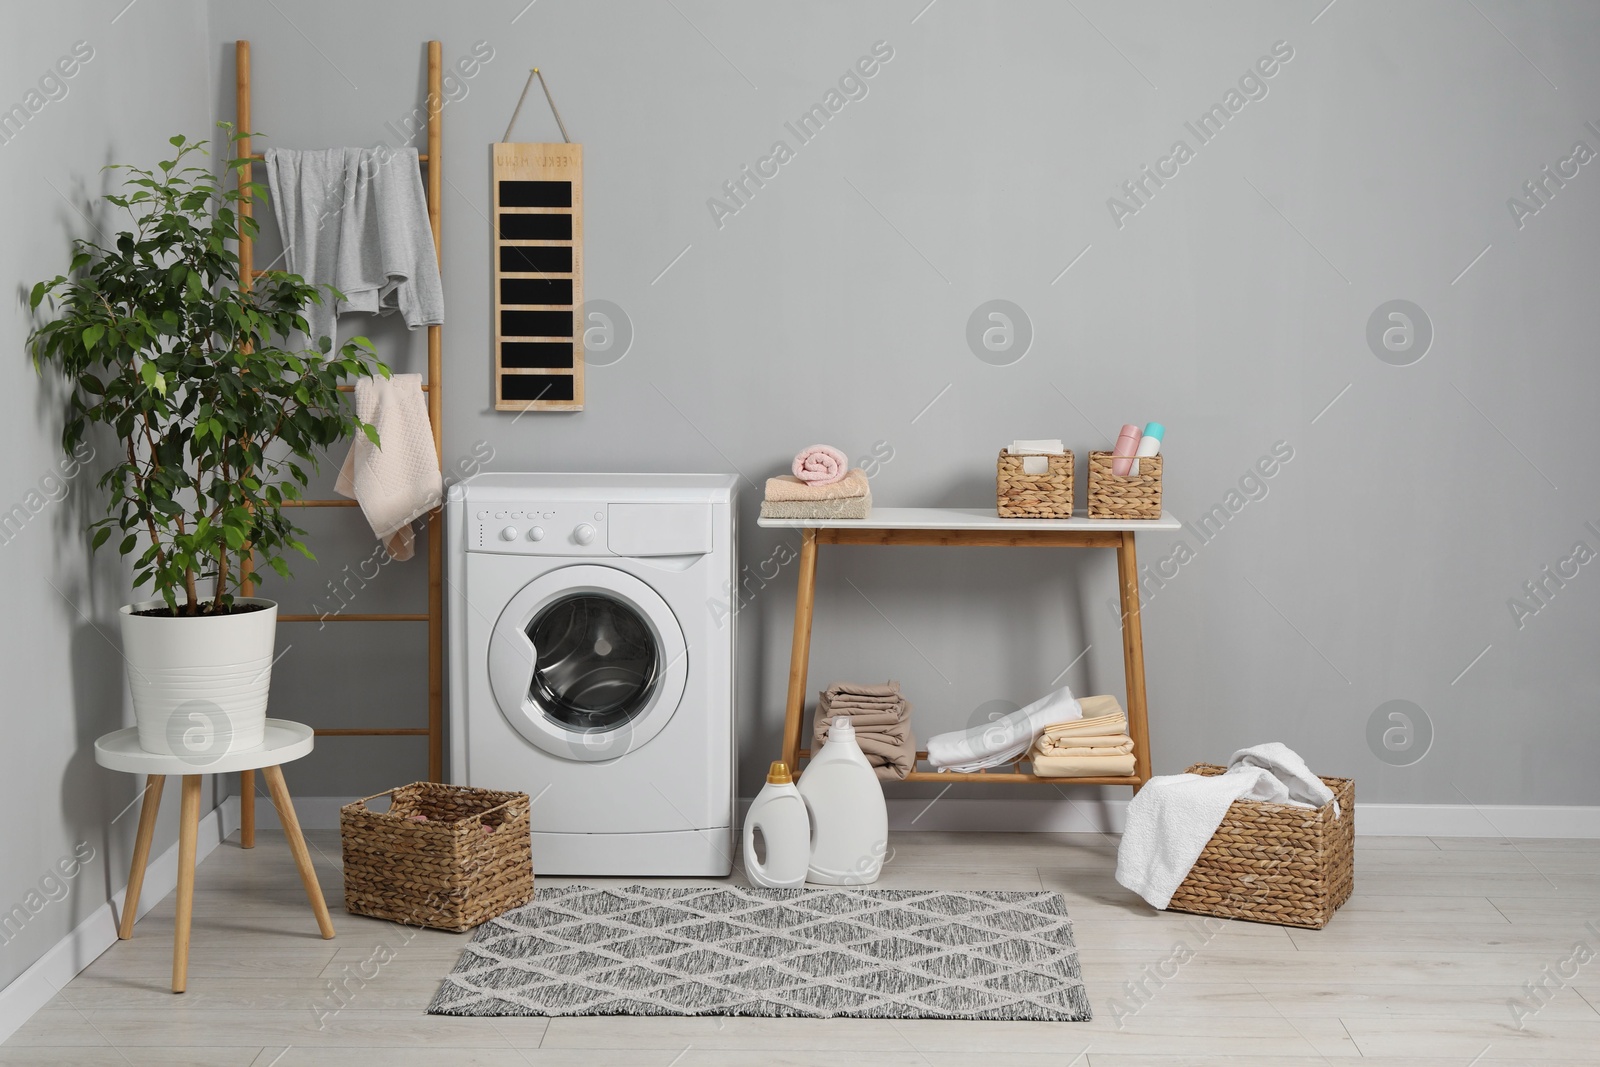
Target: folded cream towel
point(788, 487)
point(851, 507)
point(1084, 746)
point(397, 480)
point(820, 464)
point(1101, 727)
point(1083, 766)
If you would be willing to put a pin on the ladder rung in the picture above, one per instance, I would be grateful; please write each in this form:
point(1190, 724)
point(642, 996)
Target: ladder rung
point(350, 388)
point(372, 617)
point(422, 157)
point(335, 503)
point(420, 731)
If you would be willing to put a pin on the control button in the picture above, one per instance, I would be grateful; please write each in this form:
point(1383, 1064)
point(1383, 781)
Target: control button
point(584, 534)
point(536, 534)
point(508, 534)
point(483, 514)
point(599, 516)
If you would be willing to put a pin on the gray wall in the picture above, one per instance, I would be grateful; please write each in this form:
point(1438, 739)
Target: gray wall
point(61, 664)
point(1373, 566)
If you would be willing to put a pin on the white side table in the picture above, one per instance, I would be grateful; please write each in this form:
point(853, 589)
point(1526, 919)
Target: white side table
point(120, 751)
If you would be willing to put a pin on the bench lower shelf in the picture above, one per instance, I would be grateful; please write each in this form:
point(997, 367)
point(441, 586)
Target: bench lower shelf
point(1014, 774)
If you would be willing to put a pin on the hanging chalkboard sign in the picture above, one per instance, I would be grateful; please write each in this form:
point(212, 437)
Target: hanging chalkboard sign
point(538, 277)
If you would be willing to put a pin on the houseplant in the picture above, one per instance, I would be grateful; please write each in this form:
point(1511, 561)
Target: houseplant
point(162, 346)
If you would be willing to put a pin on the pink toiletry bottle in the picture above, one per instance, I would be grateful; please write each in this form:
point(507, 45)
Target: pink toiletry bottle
point(1127, 445)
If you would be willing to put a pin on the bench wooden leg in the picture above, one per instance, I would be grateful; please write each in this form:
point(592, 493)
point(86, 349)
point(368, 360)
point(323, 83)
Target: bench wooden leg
point(149, 807)
point(297, 845)
point(800, 651)
point(1133, 656)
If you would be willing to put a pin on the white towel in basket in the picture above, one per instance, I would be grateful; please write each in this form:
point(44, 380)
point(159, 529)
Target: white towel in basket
point(1173, 816)
point(397, 480)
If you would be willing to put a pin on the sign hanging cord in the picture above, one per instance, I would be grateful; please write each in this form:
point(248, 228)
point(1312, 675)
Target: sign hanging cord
point(533, 73)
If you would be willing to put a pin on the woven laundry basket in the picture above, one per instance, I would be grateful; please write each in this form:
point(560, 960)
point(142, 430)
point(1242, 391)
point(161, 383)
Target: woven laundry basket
point(1033, 496)
point(1136, 496)
point(445, 871)
point(1274, 863)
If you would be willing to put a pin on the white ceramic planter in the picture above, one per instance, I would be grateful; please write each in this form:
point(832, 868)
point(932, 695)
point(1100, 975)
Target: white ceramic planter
point(200, 685)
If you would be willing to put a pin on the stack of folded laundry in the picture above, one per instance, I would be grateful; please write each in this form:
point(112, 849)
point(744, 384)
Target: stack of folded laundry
point(882, 719)
point(1095, 745)
point(822, 486)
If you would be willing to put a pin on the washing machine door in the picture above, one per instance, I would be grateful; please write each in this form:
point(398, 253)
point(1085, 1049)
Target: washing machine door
point(588, 662)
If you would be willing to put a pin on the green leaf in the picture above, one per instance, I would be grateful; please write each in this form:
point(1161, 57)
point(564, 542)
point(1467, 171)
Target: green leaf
point(91, 337)
point(36, 295)
point(100, 537)
point(128, 543)
point(372, 433)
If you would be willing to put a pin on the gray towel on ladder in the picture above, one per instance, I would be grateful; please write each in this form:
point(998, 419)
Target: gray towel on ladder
point(358, 221)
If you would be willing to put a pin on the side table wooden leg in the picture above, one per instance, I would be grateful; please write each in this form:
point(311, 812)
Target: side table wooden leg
point(297, 845)
point(800, 651)
point(1133, 656)
point(247, 809)
point(149, 807)
point(188, 840)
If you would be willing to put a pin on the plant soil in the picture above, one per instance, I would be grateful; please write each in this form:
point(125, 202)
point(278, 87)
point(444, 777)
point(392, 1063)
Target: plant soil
point(204, 612)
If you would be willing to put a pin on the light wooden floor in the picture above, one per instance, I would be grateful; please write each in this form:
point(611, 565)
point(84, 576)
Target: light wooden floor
point(1415, 970)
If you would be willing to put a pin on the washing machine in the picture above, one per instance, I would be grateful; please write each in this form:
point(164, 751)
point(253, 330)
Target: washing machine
point(591, 663)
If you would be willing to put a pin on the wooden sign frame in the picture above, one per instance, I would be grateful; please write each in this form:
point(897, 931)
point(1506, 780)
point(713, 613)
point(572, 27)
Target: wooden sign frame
point(537, 198)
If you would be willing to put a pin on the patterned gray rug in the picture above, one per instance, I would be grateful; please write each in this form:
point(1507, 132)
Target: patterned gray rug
point(817, 953)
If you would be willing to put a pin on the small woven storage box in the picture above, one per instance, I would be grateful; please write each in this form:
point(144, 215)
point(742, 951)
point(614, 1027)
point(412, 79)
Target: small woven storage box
point(1034, 496)
point(1275, 863)
point(1136, 496)
point(446, 872)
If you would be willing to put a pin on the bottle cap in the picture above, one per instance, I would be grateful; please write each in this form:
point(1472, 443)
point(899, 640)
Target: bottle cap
point(1154, 429)
point(842, 729)
point(779, 773)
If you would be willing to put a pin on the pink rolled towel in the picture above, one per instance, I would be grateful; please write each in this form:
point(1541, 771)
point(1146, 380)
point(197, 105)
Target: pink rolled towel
point(821, 465)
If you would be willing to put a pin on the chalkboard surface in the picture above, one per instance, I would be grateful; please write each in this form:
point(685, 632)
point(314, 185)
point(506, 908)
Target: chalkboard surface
point(538, 277)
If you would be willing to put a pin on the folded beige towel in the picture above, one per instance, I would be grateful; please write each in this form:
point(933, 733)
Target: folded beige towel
point(1082, 766)
point(887, 691)
point(787, 487)
point(882, 720)
point(854, 507)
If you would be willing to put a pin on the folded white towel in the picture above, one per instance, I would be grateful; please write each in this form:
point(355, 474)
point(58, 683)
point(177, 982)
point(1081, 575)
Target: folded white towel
point(1036, 454)
point(399, 481)
point(1005, 739)
point(1170, 820)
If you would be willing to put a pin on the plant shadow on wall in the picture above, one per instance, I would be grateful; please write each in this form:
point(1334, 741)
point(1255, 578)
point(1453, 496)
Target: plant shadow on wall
point(215, 423)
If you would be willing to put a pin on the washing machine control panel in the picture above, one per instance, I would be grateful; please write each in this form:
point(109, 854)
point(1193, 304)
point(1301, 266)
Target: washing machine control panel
point(532, 530)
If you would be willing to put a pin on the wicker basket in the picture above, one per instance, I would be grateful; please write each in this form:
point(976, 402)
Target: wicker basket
point(1033, 496)
point(447, 872)
point(1136, 496)
point(1273, 863)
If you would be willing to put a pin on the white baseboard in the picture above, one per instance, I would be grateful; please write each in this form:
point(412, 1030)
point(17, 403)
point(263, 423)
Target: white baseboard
point(34, 988)
point(1064, 815)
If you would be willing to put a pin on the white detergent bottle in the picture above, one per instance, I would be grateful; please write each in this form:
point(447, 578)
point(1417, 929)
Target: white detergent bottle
point(849, 817)
point(779, 813)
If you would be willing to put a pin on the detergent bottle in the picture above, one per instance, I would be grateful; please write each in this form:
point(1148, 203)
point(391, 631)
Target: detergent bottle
point(850, 821)
point(779, 813)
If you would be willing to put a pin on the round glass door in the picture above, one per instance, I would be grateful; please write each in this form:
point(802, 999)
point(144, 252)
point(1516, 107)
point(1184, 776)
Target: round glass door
point(595, 661)
point(588, 662)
